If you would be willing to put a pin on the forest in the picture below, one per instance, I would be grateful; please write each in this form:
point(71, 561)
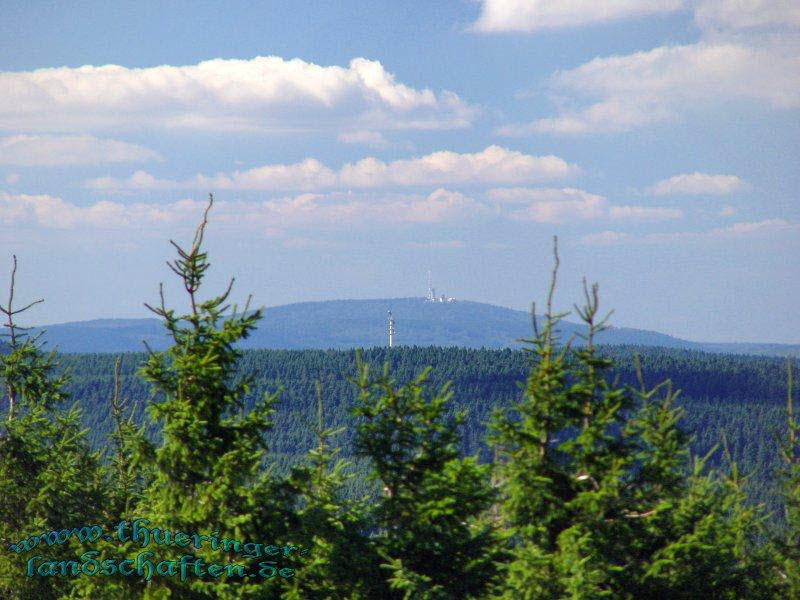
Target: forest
point(740, 398)
point(560, 471)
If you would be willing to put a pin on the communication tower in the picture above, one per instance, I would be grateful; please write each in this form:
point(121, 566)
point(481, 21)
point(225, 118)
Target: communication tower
point(391, 329)
point(432, 297)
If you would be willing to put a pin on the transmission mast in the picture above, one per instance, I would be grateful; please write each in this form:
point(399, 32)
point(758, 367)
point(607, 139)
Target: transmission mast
point(391, 329)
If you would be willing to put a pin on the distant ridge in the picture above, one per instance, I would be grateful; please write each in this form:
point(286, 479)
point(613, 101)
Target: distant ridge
point(362, 323)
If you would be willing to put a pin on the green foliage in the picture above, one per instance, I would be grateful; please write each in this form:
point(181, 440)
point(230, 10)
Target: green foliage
point(49, 477)
point(429, 519)
point(788, 545)
point(205, 474)
point(595, 490)
point(344, 557)
point(30, 377)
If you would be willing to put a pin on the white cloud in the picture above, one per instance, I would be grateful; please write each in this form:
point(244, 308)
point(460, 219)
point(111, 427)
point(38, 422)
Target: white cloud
point(52, 212)
point(548, 205)
point(666, 82)
point(375, 139)
point(336, 210)
point(498, 16)
point(644, 213)
point(731, 232)
point(12, 178)
point(439, 205)
point(492, 165)
point(727, 211)
point(533, 15)
point(69, 150)
point(274, 215)
point(749, 51)
point(749, 228)
point(747, 14)
point(558, 205)
point(735, 231)
point(605, 238)
point(309, 174)
point(495, 164)
point(265, 93)
point(697, 184)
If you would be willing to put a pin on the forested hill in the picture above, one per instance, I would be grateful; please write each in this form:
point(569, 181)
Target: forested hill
point(740, 397)
point(342, 324)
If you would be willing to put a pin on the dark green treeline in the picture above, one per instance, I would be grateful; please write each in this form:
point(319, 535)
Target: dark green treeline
point(740, 397)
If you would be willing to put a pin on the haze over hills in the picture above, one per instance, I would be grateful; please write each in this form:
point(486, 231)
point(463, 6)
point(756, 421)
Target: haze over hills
point(363, 323)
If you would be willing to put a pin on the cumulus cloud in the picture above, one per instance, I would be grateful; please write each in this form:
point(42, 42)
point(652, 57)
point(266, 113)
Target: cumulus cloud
point(556, 205)
point(737, 15)
point(69, 150)
point(548, 205)
point(748, 52)
point(495, 164)
point(697, 184)
point(309, 174)
point(533, 15)
point(492, 165)
point(273, 215)
point(499, 16)
point(345, 209)
point(735, 231)
point(663, 83)
point(52, 212)
point(262, 94)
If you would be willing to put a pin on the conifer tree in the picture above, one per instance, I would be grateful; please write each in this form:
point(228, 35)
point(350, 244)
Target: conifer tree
point(207, 474)
point(344, 563)
point(788, 544)
point(431, 527)
point(596, 492)
point(49, 478)
point(127, 479)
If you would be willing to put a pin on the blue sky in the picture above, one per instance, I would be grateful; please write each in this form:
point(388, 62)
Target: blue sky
point(353, 146)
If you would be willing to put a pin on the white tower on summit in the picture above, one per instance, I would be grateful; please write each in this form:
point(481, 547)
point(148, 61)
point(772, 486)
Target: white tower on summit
point(391, 329)
point(432, 293)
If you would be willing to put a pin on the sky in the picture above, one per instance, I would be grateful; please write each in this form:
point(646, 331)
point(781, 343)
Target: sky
point(353, 146)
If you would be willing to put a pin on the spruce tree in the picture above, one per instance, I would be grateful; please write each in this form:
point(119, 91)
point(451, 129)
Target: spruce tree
point(430, 524)
point(49, 478)
point(598, 495)
point(344, 562)
point(788, 542)
point(207, 472)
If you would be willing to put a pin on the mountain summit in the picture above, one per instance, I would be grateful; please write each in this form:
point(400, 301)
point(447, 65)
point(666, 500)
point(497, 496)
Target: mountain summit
point(363, 323)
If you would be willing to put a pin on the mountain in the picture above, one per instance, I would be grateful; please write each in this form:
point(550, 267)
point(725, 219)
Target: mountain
point(363, 323)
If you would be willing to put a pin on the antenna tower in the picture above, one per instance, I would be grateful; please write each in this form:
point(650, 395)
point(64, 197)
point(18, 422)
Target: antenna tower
point(391, 329)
